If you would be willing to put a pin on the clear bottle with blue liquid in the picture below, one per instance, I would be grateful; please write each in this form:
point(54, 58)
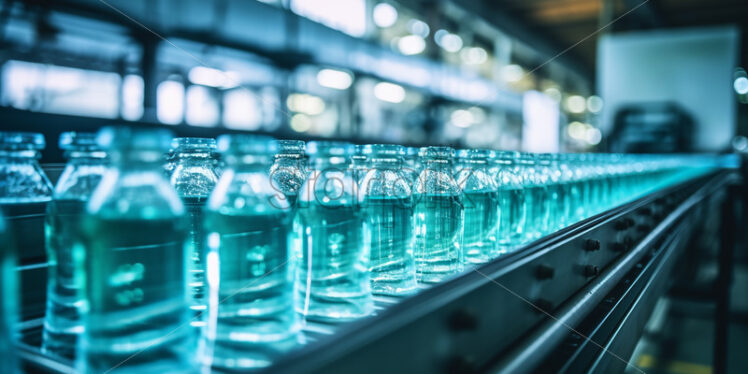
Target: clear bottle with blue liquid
point(25, 192)
point(133, 263)
point(193, 176)
point(512, 219)
point(8, 300)
point(86, 166)
point(250, 269)
point(481, 205)
point(388, 221)
point(333, 274)
point(289, 169)
point(439, 217)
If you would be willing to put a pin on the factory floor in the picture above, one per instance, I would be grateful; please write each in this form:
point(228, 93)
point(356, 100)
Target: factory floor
point(679, 336)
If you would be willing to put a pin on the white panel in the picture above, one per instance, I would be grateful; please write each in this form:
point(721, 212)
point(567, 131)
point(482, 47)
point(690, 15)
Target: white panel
point(540, 116)
point(691, 67)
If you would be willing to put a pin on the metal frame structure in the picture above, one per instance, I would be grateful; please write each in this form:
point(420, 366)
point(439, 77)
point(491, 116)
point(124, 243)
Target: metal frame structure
point(574, 301)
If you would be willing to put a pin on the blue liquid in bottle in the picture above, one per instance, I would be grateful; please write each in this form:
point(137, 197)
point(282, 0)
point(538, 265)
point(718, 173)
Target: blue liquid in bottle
point(8, 300)
point(251, 318)
point(481, 204)
point(333, 274)
point(63, 226)
point(133, 262)
point(388, 222)
point(439, 217)
point(194, 177)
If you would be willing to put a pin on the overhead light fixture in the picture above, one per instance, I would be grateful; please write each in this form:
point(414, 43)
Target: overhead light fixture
point(210, 77)
point(593, 136)
point(512, 73)
point(594, 104)
point(418, 27)
point(389, 92)
point(301, 123)
point(741, 85)
point(462, 118)
point(450, 42)
point(474, 55)
point(411, 45)
point(336, 79)
point(577, 130)
point(576, 104)
point(553, 93)
point(385, 15)
point(305, 103)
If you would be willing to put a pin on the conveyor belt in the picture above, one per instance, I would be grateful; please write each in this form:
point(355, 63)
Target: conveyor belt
point(489, 318)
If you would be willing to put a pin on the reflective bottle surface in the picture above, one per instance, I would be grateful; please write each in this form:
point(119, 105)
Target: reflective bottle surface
point(550, 176)
point(333, 279)
point(25, 193)
point(86, 165)
point(388, 218)
point(251, 317)
point(289, 170)
point(194, 177)
point(8, 300)
point(438, 217)
point(480, 199)
point(134, 263)
point(359, 166)
point(512, 213)
point(536, 197)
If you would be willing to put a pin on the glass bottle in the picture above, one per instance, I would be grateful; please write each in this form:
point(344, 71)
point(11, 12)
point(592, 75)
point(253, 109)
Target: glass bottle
point(8, 300)
point(438, 218)
point(554, 197)
point(512, 213)
point(86, 165)
point(412, 165)
point(388, 218)
point(194, 177)
point(289, 170)
point(578, 188)
point(568, 192)
point(169, 164)
point(251, 316)
point(25, 192)
point(358, 163)
point(535, 197)
point(481, 203)
point(333, 279)
point(134, 262)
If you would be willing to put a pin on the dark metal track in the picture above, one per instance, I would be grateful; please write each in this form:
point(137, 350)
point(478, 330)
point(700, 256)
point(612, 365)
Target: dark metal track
point(600, 276)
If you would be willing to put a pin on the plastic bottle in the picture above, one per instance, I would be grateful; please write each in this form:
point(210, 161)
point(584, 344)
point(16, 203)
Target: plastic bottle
point(438, 217)
point(333, 279)
point(289, 170)
point(25, 192)
point(388, 218)
point(194, 177)
point(83, 172)
point(480, 199)
point(134, 262)
point(250, 269)
point(8, 300)
point(512, 213)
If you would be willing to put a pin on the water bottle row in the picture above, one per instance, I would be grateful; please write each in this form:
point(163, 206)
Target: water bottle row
point(149, 254)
